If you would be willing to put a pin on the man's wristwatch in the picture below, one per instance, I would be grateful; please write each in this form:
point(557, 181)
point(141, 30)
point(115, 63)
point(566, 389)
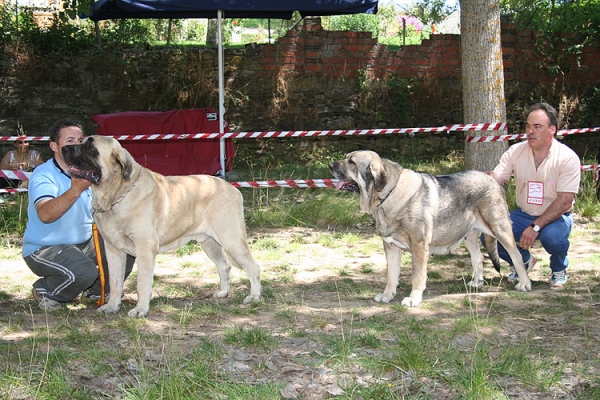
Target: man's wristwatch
point(536, 228)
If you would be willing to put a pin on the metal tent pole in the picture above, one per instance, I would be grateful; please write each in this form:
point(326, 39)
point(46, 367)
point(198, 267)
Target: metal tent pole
point(221, 90)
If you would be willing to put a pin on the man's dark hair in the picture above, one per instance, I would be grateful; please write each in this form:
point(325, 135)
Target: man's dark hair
point(54, 131)
point(549, 110)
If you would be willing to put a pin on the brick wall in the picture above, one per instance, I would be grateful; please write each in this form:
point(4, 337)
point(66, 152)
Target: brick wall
point(313, 50)
point(309, 79)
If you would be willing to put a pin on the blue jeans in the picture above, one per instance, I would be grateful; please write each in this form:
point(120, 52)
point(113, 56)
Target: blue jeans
point(553, 237)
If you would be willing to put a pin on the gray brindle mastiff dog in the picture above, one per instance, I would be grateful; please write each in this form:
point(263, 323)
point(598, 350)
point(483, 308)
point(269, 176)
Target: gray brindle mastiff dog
point(427, 214)
point(143, 213)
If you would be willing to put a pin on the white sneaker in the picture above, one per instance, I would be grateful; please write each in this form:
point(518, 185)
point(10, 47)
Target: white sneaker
point(514, 277)
point(45, 303)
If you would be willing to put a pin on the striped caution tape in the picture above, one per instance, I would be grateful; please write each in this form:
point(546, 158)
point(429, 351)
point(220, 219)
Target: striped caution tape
point(564, 132)
point(497, 126)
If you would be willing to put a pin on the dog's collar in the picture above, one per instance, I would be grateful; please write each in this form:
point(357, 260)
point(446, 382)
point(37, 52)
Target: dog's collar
point(96, 211)
point(385, 198)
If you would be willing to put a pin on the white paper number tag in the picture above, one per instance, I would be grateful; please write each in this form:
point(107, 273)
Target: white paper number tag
point(535, 193)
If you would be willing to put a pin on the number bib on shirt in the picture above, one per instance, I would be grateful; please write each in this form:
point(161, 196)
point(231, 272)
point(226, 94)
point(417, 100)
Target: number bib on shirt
point(535, 193)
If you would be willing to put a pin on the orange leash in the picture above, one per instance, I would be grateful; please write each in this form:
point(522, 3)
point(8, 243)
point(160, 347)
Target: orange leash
point(100, 261)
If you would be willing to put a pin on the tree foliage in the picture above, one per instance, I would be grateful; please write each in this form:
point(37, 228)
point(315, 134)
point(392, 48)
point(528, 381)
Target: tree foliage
point(357, 23)
point(563, 27)
point(578, 17)
point(384, 24)
point(431, 11)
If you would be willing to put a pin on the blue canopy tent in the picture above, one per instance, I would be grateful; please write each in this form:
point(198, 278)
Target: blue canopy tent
point(182, 9)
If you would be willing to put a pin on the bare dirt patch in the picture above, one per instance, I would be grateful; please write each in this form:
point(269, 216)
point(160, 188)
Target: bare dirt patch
point(319, 285)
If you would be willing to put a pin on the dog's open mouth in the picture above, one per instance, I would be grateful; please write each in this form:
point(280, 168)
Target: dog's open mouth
point(87, 175)
point(348, 185)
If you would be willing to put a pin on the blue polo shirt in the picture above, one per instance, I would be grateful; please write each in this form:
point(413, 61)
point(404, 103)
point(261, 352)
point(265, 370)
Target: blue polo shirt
point(49, 181)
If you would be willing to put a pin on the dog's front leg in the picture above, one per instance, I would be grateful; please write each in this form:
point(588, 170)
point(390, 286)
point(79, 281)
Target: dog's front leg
point(420, 256)
point(393, 256)
point(116, 260)
point(145, 278)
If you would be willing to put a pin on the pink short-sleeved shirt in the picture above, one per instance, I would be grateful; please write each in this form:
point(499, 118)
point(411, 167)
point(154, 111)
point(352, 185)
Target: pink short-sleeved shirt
point(537, 188)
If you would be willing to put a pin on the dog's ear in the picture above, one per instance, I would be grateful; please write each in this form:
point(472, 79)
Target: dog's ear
point(125, 160)
point(378, 174)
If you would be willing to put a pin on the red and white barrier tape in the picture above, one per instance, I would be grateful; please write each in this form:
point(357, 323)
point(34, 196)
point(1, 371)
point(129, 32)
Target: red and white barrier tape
point(348, 132)
point(577, 130)
point(13, 190)
point(309, 183)
point(499, 126)
point(20, 175)
point(23, 176)
point(487, 139)
point(27, 139)
point(589, 167)
point(284, 183)
point(563, 132)
point(288, 183)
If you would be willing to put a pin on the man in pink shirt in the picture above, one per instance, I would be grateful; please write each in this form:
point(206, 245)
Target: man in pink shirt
point(547, 175)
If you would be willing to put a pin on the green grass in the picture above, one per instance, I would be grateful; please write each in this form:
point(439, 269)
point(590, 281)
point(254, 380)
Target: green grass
point(13, 218)
point(316, 327)
point(249, 337)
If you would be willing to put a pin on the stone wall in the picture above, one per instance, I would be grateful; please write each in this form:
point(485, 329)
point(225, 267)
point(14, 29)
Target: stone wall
point(309, 79)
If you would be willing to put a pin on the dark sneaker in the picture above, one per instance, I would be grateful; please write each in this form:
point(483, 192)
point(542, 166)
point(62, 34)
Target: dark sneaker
point(514, 277)
point(87, 296)
point(558, 279)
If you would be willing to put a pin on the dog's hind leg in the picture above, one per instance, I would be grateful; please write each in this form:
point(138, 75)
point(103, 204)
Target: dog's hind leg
point(472, 245)
point(393, 255)
point(215, 252)
point(240, 254)
point(500, 226)
point(503, 233)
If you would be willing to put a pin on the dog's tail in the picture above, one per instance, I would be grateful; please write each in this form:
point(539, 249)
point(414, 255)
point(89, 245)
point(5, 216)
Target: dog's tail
point(491, 244)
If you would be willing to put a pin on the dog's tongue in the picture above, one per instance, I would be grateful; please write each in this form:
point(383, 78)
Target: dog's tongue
point(88, 175)
point(340, 184)
point(74, 171)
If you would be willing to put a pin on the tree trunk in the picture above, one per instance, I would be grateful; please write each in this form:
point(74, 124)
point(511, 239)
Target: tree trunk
point(482, 79)
point(211, 32)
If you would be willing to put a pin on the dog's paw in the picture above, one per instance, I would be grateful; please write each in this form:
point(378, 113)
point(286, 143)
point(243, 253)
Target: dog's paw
point(476, 284)
point(220, 294)
point(383, 298)
point(138, 312)
point(109, 309)
point(523, 286)
point(251, 298)
point(410, 302)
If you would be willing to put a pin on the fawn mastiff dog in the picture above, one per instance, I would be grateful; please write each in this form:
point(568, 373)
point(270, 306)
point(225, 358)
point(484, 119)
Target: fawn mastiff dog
point(143, 213)
point(427, 214)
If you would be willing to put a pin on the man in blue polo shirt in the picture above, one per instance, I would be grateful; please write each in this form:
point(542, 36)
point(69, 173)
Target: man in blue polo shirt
point(58, 245)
